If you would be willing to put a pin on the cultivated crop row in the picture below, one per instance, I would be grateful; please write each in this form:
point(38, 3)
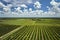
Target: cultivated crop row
point(36, 32)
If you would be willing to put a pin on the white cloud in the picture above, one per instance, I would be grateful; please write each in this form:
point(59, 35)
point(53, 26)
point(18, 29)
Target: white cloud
point(51, 13)
point(53, 2)
point(18, 8)
point(48, 7)
point(17, 3)
point(6, 10)
point(21, 1)
point(7, 0)
point(55, 7)
point(1, 5)
point(29, 12)
point(29, 1)
point(23, 5)
point(9, 5)
point(25, 11)
point(30, 9)
point(37, 4)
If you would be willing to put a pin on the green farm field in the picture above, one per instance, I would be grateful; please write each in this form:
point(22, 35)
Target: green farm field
point(30, 29)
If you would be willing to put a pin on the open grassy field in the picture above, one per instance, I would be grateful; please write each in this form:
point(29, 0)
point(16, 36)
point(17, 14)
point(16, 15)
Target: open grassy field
point(30, 29)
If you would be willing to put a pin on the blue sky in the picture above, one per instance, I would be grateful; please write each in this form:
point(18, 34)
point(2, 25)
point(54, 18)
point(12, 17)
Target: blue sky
point(29, 8)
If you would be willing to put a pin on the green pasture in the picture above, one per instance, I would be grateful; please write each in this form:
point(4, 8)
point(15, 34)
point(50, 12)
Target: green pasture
point(30, 29)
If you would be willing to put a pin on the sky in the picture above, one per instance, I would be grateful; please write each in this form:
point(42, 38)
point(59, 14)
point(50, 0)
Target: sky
point(29, 8)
